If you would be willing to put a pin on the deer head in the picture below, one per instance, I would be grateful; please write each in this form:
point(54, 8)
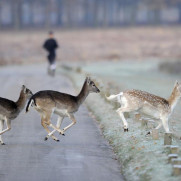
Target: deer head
point(26, 92)
point(91, 85)
point(177, 89)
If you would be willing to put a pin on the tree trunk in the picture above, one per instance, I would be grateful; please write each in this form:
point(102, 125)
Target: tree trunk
point(179, 9)
point(17, 13)
point(59, 12)
point(157, 17)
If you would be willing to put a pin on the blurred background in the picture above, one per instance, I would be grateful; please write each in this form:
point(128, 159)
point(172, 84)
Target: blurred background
point(122, 44)
point(23, 14)
point(90, 30)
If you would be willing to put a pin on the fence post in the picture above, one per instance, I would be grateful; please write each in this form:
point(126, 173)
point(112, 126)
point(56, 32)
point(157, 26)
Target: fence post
point(168, 139)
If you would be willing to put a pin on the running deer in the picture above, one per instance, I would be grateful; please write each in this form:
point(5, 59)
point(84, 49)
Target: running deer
point(9, 110)
point(152, 105)
point(48, 102)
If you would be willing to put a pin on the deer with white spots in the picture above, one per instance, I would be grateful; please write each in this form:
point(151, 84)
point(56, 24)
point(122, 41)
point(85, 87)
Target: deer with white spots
point(9, 110)
point(48, 102)
point(149, 104)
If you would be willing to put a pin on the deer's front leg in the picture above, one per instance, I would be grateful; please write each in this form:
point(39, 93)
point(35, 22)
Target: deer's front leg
point(165, 124)
point(71, 116)
point(1, 128)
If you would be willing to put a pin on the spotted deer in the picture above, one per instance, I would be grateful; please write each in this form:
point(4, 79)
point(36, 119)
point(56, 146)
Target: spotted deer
point(152, 105)
point(48, 102)
point(9, 110)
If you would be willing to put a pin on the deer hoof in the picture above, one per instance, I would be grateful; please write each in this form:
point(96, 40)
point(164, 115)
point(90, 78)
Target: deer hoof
point(125, 129)
point(56, 140)
point(148, 133)
point(62, 134)
point(45, 139)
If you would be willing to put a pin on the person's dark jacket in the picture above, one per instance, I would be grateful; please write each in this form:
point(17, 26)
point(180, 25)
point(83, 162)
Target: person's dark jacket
point(50, 45)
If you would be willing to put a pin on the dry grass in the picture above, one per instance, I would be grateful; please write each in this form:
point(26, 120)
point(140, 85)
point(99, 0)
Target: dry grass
point(93, 45)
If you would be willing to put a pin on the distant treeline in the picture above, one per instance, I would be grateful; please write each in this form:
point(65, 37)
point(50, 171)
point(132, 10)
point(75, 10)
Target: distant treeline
point(20, 14)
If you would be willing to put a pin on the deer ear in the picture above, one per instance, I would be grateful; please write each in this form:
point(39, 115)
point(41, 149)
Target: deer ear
point(88, 80)
point(23, 88)
point(179, 87)
point(176, 83)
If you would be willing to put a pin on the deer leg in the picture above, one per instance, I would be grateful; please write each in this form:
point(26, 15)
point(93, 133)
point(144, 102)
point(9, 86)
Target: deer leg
point(45, 122)
point(71, 116)
point(158, 127)
point(8, 124)
point(59, 122)
point(125, 123)
point(165, 124)
point(57, 129)
point(1, 128)
point(121, 111)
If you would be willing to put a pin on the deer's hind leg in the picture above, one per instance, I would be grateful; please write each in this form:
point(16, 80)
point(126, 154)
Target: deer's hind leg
point(158, 127)
point(126, 106)
point(45, 122)
point(59, 122)
point(121, 112)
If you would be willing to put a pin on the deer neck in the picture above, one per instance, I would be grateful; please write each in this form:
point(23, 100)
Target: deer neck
point(173, 99)
point(21, 101)
point(83, 94)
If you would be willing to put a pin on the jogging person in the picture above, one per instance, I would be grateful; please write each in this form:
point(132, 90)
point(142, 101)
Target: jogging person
point(51, 45)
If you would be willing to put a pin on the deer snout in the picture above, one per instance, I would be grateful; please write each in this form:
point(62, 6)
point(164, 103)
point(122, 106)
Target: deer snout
point(97, 90)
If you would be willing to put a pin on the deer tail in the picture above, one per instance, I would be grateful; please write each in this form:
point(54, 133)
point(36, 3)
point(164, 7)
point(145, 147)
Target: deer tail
point(30, 102)
point(114, 97)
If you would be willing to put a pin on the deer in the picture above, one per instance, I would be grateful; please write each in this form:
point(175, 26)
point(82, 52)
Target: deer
point(9, 109)
point(149, 104)
point(49, 102)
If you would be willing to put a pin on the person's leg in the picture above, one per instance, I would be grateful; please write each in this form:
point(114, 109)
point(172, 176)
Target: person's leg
point(49, 63)
point(53, 64)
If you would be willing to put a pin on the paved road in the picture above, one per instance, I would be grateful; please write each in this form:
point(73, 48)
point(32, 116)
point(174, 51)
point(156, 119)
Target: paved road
point(82, 155)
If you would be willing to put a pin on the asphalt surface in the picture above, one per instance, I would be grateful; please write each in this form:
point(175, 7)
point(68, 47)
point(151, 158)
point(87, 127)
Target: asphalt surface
point(81, 155)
